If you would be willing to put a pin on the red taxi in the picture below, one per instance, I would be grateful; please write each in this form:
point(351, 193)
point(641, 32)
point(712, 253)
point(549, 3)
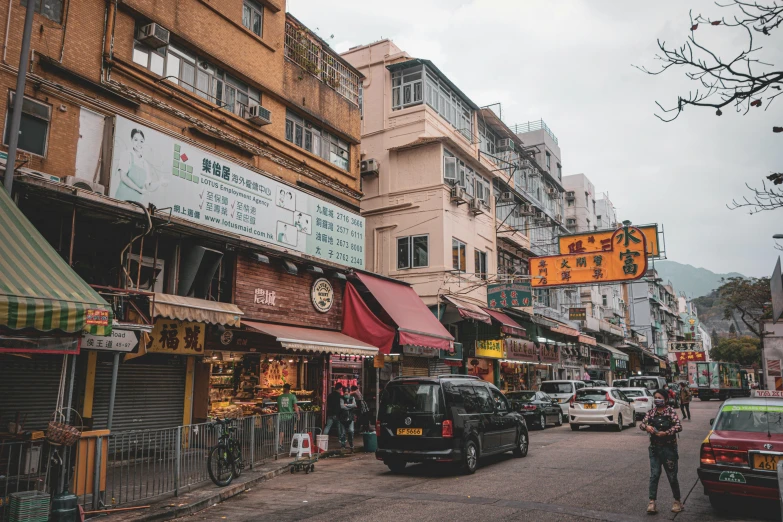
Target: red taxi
point(741, 453)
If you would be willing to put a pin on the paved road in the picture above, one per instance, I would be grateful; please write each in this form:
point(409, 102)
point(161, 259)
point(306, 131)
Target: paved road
point(585, 475)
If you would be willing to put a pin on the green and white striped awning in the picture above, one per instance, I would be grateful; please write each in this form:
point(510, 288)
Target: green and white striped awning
point(38, 289)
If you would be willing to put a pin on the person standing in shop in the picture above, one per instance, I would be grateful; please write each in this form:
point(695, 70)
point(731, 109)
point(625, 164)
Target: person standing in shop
point(361, 409)
point(347, 418)
point(286, 406)
point(334, 406)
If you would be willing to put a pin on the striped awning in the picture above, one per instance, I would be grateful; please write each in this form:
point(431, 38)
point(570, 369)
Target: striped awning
point(37, 287)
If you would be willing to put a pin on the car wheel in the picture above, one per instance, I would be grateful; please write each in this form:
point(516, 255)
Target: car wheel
point(559, 421)
point(470, 458)
point(574, 427)
point(563, 417)
point(619, 426)
point(522, 445)
point(633, 420)
point(396, 466)
point(542, 421)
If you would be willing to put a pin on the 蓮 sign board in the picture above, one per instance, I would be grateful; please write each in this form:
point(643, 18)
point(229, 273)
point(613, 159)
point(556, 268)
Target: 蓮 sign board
point(601, 240)
point(151, 167)
point(625, 261)
point(509, 295)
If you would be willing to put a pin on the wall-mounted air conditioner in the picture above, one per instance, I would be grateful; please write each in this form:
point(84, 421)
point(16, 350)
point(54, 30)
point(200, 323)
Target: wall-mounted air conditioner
point(458, 194)
point(154, 36)
point(84, 184)
point(259, 115)
point(369, 167)
point(475, 206)
point(505, 144)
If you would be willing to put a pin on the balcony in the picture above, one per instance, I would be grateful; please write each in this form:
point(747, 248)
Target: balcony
point(306, 50)
point(532, 126)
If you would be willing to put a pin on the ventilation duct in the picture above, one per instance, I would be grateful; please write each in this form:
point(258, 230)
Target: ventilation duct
point(198, 265)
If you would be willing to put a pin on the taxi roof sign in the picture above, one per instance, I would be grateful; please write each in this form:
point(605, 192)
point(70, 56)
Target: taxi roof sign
point(768, 394)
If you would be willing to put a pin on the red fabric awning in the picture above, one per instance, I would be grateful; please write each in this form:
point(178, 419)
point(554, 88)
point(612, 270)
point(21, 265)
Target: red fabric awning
point(507, 324)
point(586, 339)
point(359, 322)
point(469, 310)
point(565, 330)
point(415, 323)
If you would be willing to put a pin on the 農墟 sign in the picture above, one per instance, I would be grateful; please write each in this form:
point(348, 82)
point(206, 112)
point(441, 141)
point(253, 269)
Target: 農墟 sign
point(151, 167)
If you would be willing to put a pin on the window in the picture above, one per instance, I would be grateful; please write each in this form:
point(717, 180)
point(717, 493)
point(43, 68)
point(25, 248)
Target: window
point(484, 400)
point(51, 9)
point(33, 128)
point(570, 202)
point(604, 299)
point(197, 76)
point(304, 134)
point(481, 263)
point(598, 221)
point(559, 171)
point(548, 161)
point(253, 17)
point(405, 399)
point(500, 401)
point(458, 255)
point(488, 138)
point(412, 252)
point(407, 87)
point(570, 221)
point(456, 172)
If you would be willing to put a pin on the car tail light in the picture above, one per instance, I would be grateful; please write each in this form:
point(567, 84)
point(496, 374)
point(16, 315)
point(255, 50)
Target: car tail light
point(528, 407)
point(730, 457)
point(707, 456)
point(448, 429)
point(609, 400)
point(378, 428)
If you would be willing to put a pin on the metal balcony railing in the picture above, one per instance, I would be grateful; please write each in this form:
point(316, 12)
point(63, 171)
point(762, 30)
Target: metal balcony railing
point(531, 126)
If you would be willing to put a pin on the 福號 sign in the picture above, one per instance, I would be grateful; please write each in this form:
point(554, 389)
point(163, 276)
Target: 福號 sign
point(509, 295)
point(177, 337)
point(152, 167)
point(685, 346)
point(626, 261)
point(601, 240)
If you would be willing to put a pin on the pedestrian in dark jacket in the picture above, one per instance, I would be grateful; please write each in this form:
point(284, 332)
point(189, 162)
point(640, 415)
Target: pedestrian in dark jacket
point(662, 424)
point(334, 408)
point(685, 401)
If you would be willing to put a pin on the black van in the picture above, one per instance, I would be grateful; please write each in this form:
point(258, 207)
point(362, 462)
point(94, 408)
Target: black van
point(449, 418)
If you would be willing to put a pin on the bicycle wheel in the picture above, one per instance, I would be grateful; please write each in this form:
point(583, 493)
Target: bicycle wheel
point(219, 466)
point(237, 464)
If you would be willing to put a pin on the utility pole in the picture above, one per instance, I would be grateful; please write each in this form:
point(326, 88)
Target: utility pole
point(16, 115)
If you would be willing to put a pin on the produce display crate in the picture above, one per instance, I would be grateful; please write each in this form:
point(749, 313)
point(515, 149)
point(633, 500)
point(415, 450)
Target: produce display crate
point(29, 506)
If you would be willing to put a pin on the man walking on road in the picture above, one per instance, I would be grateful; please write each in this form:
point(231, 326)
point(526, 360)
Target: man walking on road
point(685, 400)
point(662, 424)
point(334, 408)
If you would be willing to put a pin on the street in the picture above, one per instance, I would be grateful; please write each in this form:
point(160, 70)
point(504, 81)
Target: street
point(592, 474)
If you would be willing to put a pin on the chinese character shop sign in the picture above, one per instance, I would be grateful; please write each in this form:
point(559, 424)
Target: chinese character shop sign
point(490, 349)
point(683, 358)
point(601, 240)
point(509, 295)
point(625, 261)
point(177, 337)
point(152, 167)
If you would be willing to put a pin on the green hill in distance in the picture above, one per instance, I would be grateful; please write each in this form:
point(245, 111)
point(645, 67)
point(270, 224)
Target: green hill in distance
point(694, 282)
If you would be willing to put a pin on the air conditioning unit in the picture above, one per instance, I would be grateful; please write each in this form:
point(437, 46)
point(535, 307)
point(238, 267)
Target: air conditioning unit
point(369, 166)
point(457, 194)
point(475, 206)
point(526, 210)
point(539, 216)
point(506, 197)
point(552, 192)
point(152, 271)
point(558, 217)
point(154, 36)
point(570, 194)
point(84, 184)
point(505, 144)
point(259, 115)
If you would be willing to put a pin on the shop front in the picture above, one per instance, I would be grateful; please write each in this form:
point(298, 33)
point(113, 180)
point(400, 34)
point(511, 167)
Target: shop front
point(517, 370)
point(485, 360)
point(619, 363)
point(549, 358)
point(600, 364)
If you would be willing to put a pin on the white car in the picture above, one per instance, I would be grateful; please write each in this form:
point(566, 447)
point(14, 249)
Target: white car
point(604, 405)
point(562, 392)
point(642, 400)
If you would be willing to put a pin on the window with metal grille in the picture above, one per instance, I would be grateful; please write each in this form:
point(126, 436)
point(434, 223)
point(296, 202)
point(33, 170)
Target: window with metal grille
point(34, 125)
point(51, 9)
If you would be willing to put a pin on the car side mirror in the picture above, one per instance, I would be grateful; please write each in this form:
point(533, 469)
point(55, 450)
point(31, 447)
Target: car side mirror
point(711, 421)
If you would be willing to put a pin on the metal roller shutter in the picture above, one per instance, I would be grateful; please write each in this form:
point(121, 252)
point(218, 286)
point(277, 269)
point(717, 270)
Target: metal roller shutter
point(30, 388)
point(148, 396)
point(415, 366)
point(439, 367)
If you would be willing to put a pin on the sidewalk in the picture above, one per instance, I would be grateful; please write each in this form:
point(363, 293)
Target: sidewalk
point(200, 498)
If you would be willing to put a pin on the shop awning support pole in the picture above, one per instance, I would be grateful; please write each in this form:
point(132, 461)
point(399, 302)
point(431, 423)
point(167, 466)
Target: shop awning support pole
point(277, 435)
point(65, 468)
point(113, 389)
point(377, 392)
point(96, 483)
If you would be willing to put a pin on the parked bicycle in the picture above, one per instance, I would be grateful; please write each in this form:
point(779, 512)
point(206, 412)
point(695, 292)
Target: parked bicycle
point(225, 459)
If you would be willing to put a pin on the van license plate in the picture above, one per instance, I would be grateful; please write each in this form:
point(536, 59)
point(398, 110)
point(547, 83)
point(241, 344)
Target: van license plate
point(590, 406)
point(766, 462)
point(408, 431)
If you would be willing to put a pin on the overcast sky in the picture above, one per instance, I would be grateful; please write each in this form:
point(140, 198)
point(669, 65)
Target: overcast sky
point(570, 63)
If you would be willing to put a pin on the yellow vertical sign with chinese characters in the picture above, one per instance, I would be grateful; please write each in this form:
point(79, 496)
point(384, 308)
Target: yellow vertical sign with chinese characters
point(625, 260)
point(601, 240)
point(177, 337)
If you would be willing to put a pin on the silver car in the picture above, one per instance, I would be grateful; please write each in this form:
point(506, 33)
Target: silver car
point(604, 405)
point(642, 400)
